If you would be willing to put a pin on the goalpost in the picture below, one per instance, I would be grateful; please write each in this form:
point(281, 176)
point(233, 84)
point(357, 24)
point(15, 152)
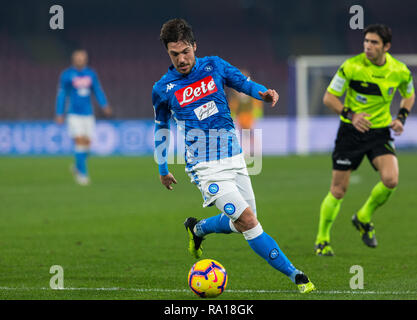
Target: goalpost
point(309, 78)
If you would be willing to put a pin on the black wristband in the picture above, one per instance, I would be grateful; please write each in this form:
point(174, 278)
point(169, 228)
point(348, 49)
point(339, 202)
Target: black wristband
point(402, 115)
point(347, 113)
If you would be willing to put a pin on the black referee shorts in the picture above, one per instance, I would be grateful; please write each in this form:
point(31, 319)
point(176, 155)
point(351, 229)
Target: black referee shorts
point(351, 146)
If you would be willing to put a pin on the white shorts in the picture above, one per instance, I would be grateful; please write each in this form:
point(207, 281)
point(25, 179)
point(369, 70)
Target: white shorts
point(220, 177)
point(81, 126)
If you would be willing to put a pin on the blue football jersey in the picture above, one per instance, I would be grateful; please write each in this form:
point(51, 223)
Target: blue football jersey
point(78, 86)
point(197, 102)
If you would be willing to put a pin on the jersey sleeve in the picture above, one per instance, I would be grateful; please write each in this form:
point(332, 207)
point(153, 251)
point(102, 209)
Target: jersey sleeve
point(161, 108)
point(236, 80)
point(340, 81)
point(98, 91)
point(406, 88)
point(61, 96)
point(161, 133)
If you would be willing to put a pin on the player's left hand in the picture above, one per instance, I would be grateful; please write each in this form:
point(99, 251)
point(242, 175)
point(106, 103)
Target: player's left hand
point(397, 126)
point(269, 95)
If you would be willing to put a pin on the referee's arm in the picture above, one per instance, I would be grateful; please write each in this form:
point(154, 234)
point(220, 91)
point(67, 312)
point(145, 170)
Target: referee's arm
point(408, 103)
point(405, 108)
point(333, 102)
point(358, 119)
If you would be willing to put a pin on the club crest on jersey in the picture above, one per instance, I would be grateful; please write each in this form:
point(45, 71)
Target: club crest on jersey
point(196, 91)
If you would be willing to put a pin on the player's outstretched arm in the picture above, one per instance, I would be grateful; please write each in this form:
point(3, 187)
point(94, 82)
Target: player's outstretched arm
point(270, 95)
point(167, 180)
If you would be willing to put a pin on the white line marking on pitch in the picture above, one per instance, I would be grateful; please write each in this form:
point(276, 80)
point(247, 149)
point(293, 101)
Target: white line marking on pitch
point(229, 291)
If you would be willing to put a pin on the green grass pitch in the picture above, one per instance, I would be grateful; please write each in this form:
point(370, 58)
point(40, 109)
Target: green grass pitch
point(123, 236)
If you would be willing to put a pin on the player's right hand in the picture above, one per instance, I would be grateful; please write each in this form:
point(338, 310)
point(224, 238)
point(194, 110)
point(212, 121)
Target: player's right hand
point(167, 180)
point(360, 122)
point(269, 95)
point(59, 119)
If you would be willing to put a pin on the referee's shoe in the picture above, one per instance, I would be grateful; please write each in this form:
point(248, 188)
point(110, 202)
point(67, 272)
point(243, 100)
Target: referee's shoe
point(367, 231)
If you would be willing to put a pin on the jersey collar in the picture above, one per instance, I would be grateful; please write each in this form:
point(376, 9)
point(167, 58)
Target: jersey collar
point(387, 61)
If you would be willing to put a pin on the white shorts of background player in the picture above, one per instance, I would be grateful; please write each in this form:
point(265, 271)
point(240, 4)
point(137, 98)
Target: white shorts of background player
point(81, 126)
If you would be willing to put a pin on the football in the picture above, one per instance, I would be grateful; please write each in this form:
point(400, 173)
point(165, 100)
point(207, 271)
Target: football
point(207, 278)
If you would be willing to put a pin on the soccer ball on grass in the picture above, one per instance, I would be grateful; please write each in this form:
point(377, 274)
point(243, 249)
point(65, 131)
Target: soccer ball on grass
point(207, 278)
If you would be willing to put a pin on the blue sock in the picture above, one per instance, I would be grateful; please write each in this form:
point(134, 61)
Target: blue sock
point(81, 162)
point(268, 249)
point(216, 224)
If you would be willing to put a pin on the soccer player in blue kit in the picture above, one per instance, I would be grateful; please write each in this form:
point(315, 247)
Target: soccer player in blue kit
point(192, 92)
point(78, 82)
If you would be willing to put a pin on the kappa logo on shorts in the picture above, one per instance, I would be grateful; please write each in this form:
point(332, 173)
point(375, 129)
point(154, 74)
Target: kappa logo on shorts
point(229, 208)
point(274, 254)
point(213, 188)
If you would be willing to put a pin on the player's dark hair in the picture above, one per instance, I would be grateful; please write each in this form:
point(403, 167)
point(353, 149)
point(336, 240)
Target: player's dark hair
point(176, 30)
point(382, 30)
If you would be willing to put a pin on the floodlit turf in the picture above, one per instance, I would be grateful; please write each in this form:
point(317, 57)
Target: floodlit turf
point(123, 236)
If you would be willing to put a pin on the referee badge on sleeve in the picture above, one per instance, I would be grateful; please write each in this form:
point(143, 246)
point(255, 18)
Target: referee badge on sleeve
point(337, 83)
